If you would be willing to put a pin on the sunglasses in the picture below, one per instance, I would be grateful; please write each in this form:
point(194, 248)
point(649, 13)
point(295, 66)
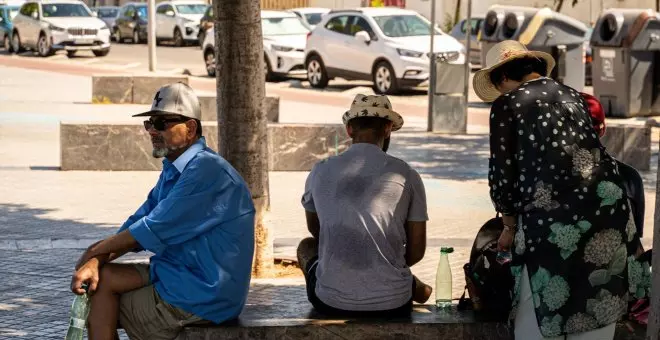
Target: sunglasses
point(161, 123)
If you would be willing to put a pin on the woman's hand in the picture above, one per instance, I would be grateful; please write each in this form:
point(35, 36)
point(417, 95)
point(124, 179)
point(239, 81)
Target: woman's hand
point(506, 240)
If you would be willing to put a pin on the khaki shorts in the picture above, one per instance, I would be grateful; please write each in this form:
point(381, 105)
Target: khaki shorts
point(145, 316)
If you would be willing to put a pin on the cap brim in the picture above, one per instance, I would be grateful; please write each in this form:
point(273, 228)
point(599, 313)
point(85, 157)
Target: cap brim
point(485, 89)
point(151, 113)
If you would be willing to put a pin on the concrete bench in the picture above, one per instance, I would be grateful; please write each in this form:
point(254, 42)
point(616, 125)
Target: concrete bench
point(628, 143)
point(127, 147)
point(129, 89)
point(271, 107)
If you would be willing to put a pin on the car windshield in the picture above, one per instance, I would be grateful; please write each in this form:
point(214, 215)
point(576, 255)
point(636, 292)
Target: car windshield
point(191, 9)
point(313, 18)
point(65, 10)
point(142, 11)
point(283, 26)
point(407, 25)
point(107, 12)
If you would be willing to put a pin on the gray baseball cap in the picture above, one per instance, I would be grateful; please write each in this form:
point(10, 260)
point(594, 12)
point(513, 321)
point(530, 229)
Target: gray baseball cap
point(175, 99)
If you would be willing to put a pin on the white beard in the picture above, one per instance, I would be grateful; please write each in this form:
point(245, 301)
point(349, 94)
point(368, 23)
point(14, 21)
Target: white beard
point(160, 152)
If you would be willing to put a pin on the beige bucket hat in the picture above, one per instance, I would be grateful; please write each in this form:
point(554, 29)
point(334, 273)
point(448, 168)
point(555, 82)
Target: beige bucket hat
point(373, 106)
point(497, 56)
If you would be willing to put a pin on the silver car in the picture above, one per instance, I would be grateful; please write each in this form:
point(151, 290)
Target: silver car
point(459, 32)
point(107, 13)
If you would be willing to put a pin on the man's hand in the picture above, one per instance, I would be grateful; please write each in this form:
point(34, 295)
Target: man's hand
point(87, 274)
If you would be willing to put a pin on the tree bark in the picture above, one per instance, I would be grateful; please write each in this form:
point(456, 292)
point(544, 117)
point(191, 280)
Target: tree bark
point(242, 125)
point(653, 327)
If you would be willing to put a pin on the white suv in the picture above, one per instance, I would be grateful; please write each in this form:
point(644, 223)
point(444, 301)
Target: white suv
point(284, 36)
point(50, 25)
point(178, 21)
point(389, 46)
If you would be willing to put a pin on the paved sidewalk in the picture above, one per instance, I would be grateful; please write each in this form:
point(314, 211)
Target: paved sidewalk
point(48, 216)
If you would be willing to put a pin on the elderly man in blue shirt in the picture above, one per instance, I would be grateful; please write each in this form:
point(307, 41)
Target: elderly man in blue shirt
point(198, 221)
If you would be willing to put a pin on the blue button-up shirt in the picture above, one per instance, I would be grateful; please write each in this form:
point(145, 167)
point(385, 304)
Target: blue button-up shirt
point(199, 222)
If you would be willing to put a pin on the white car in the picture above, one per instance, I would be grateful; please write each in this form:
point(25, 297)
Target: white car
point(50, 25)
point(178, 21)
point(311, 16)
point(284, 37)
point(389, 46)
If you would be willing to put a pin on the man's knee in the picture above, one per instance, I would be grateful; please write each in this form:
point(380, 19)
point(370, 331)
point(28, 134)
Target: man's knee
point(120, 278)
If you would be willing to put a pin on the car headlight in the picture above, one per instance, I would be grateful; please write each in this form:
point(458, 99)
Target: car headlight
point(281, 48)
point(409, 53)
point(448, 56)
point(55, 28)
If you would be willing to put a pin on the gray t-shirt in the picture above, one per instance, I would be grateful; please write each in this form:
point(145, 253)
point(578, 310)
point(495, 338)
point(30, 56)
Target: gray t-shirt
point(363, 198)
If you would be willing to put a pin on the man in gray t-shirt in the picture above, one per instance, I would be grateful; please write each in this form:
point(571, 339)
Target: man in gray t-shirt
point(367, 213)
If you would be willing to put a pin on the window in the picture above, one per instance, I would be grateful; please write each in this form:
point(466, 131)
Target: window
point(128, 12)
point(407, 25)
point(51, 10)
point(191, 9)
point(360, 24)
point(141, 11)
point(107, 12)
point(283, 26)
point(337, 24)
point(162, 9)
point(209, 12)
point(25, 10)
point(13, 11)
point(476, 25)
point(313, 18)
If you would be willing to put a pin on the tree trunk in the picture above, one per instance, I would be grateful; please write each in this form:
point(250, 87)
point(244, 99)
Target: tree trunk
point(242, 125)
point(457, 13)
point(653, 327)
point(560, 4)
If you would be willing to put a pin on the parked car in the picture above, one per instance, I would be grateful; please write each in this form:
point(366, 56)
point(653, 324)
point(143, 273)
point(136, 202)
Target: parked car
point(131, 23)
point(178, 21)
point(311, 16)
point(108, 14)
point(459, 32)
point(389, 46)
point(7, 14)
point(284, 45)
point(205, 23)
point(50, 25)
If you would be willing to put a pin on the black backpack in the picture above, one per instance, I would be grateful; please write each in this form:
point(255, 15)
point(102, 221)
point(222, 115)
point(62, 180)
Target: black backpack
point(488, 283)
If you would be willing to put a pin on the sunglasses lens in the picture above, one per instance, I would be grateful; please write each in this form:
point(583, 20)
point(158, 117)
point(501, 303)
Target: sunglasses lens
point(147, 124)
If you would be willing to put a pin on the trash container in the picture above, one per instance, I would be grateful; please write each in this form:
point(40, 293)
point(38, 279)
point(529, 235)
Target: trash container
point(540, 29)
point(626, 77)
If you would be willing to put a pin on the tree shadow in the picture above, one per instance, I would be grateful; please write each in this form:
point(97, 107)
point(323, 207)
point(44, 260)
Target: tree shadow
point(455, 157)
point(32, 226)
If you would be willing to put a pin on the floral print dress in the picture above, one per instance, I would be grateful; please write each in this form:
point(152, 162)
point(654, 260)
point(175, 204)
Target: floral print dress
point(576, 233)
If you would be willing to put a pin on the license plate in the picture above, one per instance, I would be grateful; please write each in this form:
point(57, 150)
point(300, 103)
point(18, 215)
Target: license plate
point(84, 41)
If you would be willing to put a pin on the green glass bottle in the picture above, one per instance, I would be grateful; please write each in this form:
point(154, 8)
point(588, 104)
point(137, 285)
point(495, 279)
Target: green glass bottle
point(443, 283)
point(78, 319)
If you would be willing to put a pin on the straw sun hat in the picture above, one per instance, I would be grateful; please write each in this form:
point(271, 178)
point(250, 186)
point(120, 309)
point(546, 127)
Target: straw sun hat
point(497, 56)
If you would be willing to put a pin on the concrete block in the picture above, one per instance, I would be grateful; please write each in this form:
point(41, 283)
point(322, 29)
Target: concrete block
point(630, 144)
point(449, 114)
point(210, 113)
point(127, 147)
point(146, 86)
point(112, 89)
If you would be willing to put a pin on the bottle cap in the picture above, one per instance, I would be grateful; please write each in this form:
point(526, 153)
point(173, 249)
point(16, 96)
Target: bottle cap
point(447, 250)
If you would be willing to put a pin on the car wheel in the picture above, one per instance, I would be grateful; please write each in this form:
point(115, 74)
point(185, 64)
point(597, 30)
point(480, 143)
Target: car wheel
point(16, 43)
point(384, 79)
point(316, 73)
point(136, 36)
point(209, 61)
point(178, 38)
point(6, 43)
point(268, 71)
point(101, 53)
point(43, 46)
point(71, 54)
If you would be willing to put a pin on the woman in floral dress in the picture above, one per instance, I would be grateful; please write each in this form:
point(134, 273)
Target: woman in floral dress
point(567, 220)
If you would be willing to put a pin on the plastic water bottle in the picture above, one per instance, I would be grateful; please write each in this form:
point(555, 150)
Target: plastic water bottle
point(79, 313)
point(443, 282)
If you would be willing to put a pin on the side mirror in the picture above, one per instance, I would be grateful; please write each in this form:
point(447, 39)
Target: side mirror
point(363, 36)
point(169, 13)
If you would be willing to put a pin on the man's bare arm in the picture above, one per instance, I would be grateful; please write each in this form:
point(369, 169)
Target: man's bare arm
point(416, 242)
point(313, 224)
